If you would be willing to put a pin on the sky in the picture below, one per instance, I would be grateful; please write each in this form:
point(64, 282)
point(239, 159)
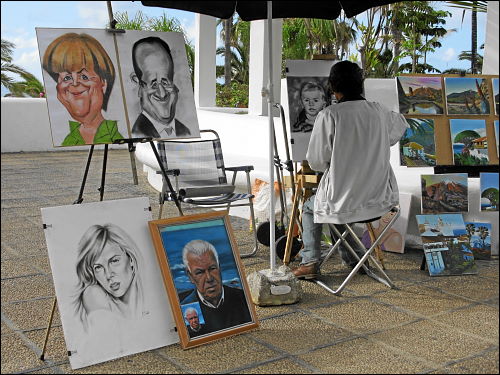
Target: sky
point(19, 19)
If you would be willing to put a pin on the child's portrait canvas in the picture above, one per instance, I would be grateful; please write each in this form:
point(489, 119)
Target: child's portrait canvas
point(107, 280)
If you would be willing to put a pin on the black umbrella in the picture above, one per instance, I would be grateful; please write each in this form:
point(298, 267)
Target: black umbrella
point(257, 10)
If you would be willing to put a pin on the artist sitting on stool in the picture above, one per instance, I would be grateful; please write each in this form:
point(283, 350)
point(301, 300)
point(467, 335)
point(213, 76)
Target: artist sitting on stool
point(350, 143)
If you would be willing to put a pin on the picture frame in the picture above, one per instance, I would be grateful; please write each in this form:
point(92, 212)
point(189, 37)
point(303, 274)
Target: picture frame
point(199, 263)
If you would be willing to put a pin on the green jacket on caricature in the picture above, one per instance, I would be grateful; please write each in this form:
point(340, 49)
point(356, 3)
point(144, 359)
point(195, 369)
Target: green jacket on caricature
point(106, 133)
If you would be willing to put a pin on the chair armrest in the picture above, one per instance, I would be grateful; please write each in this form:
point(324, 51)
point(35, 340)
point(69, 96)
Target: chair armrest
point(244, 168)
point(173, 172)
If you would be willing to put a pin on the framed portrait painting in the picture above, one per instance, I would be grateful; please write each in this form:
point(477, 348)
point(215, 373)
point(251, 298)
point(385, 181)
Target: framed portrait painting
point(107, 280)
point(203, 276)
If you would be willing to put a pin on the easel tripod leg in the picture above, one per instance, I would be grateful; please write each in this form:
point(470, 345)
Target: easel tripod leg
point(42, 355)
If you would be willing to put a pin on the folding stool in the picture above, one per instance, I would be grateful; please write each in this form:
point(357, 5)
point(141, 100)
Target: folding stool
point(342, 239)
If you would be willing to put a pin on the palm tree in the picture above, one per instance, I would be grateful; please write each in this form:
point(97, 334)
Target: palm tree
point(7, 66)
point(471, 229)
point(30, 86)
point(474, 7)
point(483, 234)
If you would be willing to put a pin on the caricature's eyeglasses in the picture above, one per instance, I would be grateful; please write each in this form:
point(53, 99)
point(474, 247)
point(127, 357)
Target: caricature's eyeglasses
point(153, 86)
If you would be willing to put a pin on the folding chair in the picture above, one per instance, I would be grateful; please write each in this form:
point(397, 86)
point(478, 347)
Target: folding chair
point(200, 176)
point(342, 239)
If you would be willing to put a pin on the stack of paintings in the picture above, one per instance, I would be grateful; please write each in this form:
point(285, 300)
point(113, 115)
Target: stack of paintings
point(446, 245)
point(469, 142)
point(417, 146)
point(442, 193)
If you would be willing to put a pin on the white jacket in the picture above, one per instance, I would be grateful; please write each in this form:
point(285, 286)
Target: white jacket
point(350, 142)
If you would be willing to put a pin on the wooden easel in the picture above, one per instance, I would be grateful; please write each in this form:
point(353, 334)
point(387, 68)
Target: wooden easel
point(306, 180)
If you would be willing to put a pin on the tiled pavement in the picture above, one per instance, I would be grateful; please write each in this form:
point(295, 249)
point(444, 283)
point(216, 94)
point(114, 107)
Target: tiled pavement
point(430, 325)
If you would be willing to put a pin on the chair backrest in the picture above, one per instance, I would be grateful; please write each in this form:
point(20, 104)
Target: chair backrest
point(200, 161)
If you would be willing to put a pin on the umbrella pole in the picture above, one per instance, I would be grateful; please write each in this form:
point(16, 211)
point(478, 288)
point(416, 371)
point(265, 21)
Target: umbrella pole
point(270, 105)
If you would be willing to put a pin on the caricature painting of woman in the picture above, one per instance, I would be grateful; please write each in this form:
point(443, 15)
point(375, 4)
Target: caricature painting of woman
point(107, 280)
point(83, 92)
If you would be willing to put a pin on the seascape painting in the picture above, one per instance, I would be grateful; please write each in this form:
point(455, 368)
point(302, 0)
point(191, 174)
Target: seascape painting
point(417, 146)
point(479, 235)
point(469, 142)
point(467, 96)
point(446, 245)
point(444, 193)
point(420, 95)
point(489, 191)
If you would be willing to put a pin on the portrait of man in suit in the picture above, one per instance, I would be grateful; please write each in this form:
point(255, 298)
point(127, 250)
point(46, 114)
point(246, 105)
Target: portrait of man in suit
point(158, 95)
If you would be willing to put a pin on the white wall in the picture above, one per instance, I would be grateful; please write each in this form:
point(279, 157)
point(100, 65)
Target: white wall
point(25, 127)
point(490, 61)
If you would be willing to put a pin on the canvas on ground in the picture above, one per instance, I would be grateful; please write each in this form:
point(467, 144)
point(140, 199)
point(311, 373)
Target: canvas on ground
point(469, 142)
point(82, 86)
point(489, 191)
point(394, 239)
point(420, 95)
point(107, 280)
point(467, 96)
point(157, 84)
point(417, 146)
point(444, 193)
point(446, 245)
point(479, 235)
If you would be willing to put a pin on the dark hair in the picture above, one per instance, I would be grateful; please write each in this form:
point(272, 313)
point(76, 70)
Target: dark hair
point(149, 40)
point(347, 78)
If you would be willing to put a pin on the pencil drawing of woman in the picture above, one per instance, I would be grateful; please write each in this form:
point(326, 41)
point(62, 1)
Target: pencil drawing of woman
point(109, 276)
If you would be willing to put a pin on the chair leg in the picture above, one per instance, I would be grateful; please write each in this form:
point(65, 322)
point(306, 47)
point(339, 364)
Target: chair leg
point(252, 218)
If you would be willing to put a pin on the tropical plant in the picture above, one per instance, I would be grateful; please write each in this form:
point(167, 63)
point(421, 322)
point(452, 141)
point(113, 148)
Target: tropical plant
point(234, 96)
point(492, 195)
point(483, 234)
point(471, 229)
point(29, 86)
point(474, 7)
point(7, 65)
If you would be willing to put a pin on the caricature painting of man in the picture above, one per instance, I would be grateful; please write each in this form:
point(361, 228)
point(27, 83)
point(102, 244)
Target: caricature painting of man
point(157, 85)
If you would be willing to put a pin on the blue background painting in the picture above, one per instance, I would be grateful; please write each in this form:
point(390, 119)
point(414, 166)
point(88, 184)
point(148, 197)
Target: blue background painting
point(174, 237)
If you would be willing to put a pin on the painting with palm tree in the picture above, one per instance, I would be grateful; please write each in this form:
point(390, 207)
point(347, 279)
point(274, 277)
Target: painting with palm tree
point(489, 191)
point(417, 147)
point(469, 142)
point(467, 96)
point(446, 245)
point(479, 235)
point(420, 95)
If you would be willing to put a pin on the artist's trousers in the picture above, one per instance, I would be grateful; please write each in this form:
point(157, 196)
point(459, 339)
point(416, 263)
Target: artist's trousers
point(311, 238)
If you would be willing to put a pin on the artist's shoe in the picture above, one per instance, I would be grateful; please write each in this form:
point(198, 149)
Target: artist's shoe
point(309, 271)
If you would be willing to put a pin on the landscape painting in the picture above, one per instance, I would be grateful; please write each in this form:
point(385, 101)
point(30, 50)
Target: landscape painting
point(420, 95)
point(479, 235)
point(494, 83)
point(469, 142)
point(446, 245)
point(417, 147)
point(467, 96)
point(489, 191)
point(443, 193)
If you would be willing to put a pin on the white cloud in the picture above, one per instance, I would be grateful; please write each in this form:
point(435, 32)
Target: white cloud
point(93, 13)
point(22, 42)
point(190, 30)
point(449, 54)
point(30, 61)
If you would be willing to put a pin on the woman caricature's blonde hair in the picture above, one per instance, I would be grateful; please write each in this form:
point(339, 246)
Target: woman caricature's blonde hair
point(72, 52)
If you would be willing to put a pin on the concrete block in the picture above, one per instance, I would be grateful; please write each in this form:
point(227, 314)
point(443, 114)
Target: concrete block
point(274, 287)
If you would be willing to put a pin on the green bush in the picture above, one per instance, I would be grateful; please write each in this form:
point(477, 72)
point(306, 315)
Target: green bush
point(234, 96)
